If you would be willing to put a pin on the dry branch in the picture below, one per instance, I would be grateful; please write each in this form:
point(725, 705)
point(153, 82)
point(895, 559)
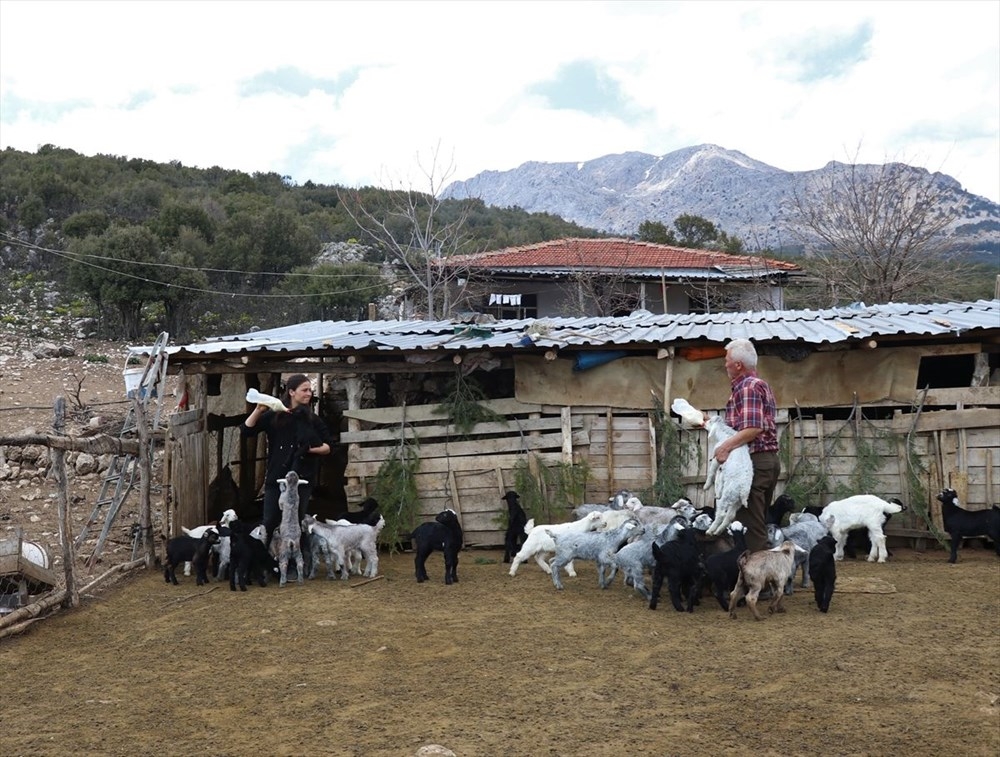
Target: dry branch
point(362, 583)
point(190, 596)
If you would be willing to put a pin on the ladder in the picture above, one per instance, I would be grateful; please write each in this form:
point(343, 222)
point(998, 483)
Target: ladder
point(144, 386)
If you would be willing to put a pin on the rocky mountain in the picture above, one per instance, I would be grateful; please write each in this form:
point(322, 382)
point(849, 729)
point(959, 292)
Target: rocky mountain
point(742, 196)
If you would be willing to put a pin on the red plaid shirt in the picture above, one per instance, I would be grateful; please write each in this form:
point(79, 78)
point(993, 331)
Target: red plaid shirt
point(752, 405)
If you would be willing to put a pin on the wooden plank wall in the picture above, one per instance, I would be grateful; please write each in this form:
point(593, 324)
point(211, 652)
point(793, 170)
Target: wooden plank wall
point(958, 448)
point(466, 472)
point(188, 471)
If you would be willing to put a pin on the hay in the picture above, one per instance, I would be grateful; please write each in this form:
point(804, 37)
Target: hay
point(860, 585)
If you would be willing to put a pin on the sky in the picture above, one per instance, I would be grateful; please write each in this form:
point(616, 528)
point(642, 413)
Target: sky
point(418, 94)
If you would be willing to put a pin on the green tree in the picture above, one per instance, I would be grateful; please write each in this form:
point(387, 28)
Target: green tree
point(175, 216)
point(112, 270)
point(271, 241)
point(338, 291)
point(186, 284)
point(85, 223)
point(695, 231)
point(656, 232)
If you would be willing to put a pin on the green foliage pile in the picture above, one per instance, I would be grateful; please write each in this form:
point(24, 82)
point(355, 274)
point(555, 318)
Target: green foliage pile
point(395, 490)
point(548, 493)
point(674, 450)
point(463, 405)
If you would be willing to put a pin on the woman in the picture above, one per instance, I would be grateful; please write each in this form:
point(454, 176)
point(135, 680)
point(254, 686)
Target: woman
point(295, 441)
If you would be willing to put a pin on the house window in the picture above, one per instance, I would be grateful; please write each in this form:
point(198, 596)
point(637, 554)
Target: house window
point(505, 305)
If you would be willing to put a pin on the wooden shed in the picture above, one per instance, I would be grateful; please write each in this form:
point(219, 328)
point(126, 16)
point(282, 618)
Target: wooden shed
point(897, 400)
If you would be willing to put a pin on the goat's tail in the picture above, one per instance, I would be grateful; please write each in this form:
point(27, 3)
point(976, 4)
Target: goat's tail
point(741, 561)
point(529, 525)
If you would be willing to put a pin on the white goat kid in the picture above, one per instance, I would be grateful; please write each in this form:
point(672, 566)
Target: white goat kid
point(599, 546)
point(860, 511)
point(340, 541)
point(731, 479)
point(539, 544)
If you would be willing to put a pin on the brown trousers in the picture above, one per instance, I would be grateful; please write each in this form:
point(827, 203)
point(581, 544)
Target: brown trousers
point(766, 467)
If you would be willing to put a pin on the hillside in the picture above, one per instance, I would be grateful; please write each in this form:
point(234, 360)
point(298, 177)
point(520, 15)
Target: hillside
point(743, 196)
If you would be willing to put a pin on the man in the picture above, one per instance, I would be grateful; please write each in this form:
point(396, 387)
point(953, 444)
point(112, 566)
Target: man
point(751, 412)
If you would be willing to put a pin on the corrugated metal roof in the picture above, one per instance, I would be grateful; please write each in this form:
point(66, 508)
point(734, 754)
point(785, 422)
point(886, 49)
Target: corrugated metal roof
point(827, 326)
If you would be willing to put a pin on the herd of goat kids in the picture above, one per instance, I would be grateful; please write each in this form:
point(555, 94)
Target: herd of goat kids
point(689, 548)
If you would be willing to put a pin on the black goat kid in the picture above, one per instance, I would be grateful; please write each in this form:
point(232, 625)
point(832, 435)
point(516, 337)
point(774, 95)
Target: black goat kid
point(680, 562)
point(965, 524)
point(182, 549)
point(823, 571)
point(444, 533)
point(517, 519)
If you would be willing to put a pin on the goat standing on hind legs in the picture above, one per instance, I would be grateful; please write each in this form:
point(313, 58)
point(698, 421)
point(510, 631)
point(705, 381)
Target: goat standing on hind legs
point(289, 536)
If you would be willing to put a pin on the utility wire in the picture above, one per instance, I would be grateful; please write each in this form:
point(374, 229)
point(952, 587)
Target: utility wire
point(169, 285)
point(78, 255)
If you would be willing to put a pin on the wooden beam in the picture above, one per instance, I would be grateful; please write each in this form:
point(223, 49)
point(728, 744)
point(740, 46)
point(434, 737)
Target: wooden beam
point(419, 413)
point(390, 433)
point(476, 448)
point(314, 364)
point(943, 420)
point(97, 445)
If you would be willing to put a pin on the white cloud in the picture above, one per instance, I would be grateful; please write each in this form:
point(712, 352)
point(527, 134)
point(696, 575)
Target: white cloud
point(792, 84)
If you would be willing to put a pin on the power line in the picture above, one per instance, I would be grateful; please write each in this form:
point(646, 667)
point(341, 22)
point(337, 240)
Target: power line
point(76, 256)
point(169, 285)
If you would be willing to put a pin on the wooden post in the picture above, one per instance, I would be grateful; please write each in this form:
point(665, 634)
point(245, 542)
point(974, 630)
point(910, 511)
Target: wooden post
point(652, 449)
point(62, 502)
point(988, 480)
point(822, 450)
point(668, 377)
point(609, 420)
point(962, 444)
point(145, 463)
point(352, 386)
point(455, 501)
point(503, 490)
point(566, 417)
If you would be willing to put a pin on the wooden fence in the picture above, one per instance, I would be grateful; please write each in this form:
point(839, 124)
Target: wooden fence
point(910, 455)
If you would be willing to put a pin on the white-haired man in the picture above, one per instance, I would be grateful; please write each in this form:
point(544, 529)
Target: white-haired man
point(751, 411)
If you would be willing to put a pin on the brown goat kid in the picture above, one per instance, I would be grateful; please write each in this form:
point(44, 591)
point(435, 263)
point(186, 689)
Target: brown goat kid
point(769, 568)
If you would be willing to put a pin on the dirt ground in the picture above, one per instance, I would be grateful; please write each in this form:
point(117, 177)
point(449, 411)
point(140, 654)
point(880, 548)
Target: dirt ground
point(905, 662)
point(496, 665)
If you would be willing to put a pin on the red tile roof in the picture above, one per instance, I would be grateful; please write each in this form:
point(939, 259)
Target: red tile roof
point(612, 253)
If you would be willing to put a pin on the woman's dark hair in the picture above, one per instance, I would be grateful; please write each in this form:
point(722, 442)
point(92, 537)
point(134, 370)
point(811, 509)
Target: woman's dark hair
point(292, 383)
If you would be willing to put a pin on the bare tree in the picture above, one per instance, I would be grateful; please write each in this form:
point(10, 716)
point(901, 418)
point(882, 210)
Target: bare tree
point(755, 290)
point(877, 233)
point(418, 235)
point(607, 292)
